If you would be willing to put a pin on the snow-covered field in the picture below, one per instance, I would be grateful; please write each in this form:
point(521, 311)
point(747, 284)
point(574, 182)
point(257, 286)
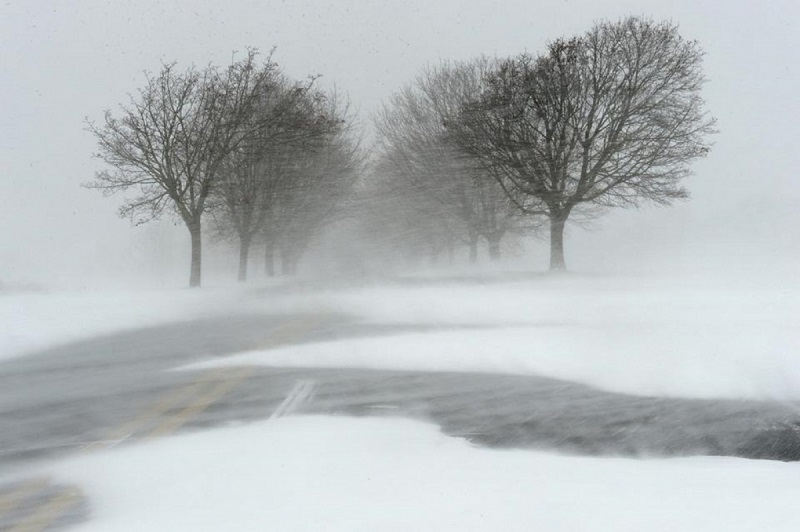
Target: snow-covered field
point(344, 474)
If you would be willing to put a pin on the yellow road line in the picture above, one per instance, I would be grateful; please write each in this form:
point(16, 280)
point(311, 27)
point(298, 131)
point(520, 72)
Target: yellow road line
point(280, 334)
point(215, 386)
point(171, 400)
point(49, 511)
point(172, 424)
point(11, 500)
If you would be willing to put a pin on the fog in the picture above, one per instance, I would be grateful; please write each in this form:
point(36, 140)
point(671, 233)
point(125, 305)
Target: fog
point(64, 62)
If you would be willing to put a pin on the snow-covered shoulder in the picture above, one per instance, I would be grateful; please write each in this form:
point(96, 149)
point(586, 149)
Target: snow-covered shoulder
point(312, 473)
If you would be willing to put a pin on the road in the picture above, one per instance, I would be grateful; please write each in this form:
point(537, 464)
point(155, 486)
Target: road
point(120, 388)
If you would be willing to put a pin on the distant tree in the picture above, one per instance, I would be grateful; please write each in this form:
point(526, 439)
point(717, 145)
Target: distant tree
point(402, 219)
point(415, 147)
point(170, 142)
point(609, 119)
point(290, 120)
point(317, 182)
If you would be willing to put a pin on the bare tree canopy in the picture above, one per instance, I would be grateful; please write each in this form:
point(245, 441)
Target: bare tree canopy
point(467, 151)
point(610, 119)
point(293, 120)
point(317, 183)
point(171, 139)
point(454, 191)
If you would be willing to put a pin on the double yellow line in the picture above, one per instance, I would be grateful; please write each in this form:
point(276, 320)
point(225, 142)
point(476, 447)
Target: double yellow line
point(189, 401)
point(43, 515)
point(206, 390)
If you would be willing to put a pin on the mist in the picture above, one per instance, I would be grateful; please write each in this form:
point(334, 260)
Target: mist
point(64, 63)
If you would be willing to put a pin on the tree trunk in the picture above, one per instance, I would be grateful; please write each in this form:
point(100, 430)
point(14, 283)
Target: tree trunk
point(197, 256)
point(473, 249)
point(494, 248)
point(269, 258)
point(244, 250)
point(557, 244)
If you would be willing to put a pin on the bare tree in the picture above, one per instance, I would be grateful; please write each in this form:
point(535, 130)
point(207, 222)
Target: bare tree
point(401, 219)
point(318, 180)
point(291, 120)
point(170, 141)
point(608, 119)
point(415, 147)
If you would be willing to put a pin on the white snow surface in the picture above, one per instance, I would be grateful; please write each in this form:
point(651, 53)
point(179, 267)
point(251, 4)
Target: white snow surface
point(701, 337)
point(38, 320)
point(323, 473)
point(32, 321)
point(640, 336)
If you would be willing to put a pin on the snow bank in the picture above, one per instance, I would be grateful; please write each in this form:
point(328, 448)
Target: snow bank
point(646, 362)
point(701, 337)
point(320, 473)
point(638, 336)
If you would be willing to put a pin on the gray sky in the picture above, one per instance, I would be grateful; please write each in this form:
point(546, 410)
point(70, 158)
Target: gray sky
point(63, 61)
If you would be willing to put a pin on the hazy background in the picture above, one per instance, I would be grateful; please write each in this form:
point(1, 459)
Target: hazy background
point(63, 61)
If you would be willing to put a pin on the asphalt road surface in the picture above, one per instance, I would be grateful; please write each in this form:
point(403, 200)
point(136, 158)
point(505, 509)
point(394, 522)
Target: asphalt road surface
point(115, 389)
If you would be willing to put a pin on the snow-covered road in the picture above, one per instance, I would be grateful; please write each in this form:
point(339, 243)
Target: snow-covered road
point(421, 380)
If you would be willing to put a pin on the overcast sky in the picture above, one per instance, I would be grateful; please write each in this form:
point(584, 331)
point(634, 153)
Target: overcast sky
point(63, 61)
